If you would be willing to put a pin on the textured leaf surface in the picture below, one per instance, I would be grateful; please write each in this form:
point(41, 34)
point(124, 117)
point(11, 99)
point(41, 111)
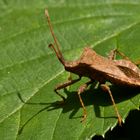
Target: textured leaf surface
point(29, 70)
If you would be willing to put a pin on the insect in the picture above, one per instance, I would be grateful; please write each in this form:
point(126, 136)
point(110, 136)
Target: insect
point(96, 67)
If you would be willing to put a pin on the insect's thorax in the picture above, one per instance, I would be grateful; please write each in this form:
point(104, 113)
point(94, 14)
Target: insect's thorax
point(85, 65)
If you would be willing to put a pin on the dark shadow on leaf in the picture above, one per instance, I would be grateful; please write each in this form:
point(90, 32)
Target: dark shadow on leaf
point(48, 106)
point(30, 103)
point(92, 96)
point(23, 126)
point(97, 98)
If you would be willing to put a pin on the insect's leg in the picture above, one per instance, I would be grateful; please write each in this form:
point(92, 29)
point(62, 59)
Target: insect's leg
point(106, 88)
point(64, 85)
point(112, 54)
point(116, 51)
point(81, 90)
point(122, 55)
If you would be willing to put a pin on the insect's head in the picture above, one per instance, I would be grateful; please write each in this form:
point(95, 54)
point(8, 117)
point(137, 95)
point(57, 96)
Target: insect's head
point(57, 48)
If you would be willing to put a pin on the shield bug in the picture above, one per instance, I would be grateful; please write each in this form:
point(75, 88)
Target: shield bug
point(96, 67)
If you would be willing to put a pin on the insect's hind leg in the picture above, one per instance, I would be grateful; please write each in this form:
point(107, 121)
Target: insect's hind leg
point(81, 90)
point(106, 88)
point(64, 85)
point(112, 56)
point(113, 53)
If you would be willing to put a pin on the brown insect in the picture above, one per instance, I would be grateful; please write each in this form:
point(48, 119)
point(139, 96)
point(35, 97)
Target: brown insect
point(96, 67)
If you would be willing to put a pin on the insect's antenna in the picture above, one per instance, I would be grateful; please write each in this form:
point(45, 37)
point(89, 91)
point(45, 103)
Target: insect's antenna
point(57, 51)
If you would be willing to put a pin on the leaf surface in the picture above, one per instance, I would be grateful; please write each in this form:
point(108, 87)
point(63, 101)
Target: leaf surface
point(29, 70)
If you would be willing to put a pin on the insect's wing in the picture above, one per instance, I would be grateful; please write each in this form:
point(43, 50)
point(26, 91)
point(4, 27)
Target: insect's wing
point(128, 68)
point(130, 73)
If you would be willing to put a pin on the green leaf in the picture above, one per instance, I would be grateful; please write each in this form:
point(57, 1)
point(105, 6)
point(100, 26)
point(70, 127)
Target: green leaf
point(29, 70)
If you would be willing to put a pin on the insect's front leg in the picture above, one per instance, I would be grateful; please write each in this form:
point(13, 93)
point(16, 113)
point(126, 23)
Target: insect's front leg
point(64, 85)
point(81, 90)
point(107, 89)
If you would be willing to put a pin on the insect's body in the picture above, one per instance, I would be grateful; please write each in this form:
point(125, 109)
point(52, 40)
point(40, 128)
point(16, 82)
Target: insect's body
point(96, 67)
point(102, 69)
